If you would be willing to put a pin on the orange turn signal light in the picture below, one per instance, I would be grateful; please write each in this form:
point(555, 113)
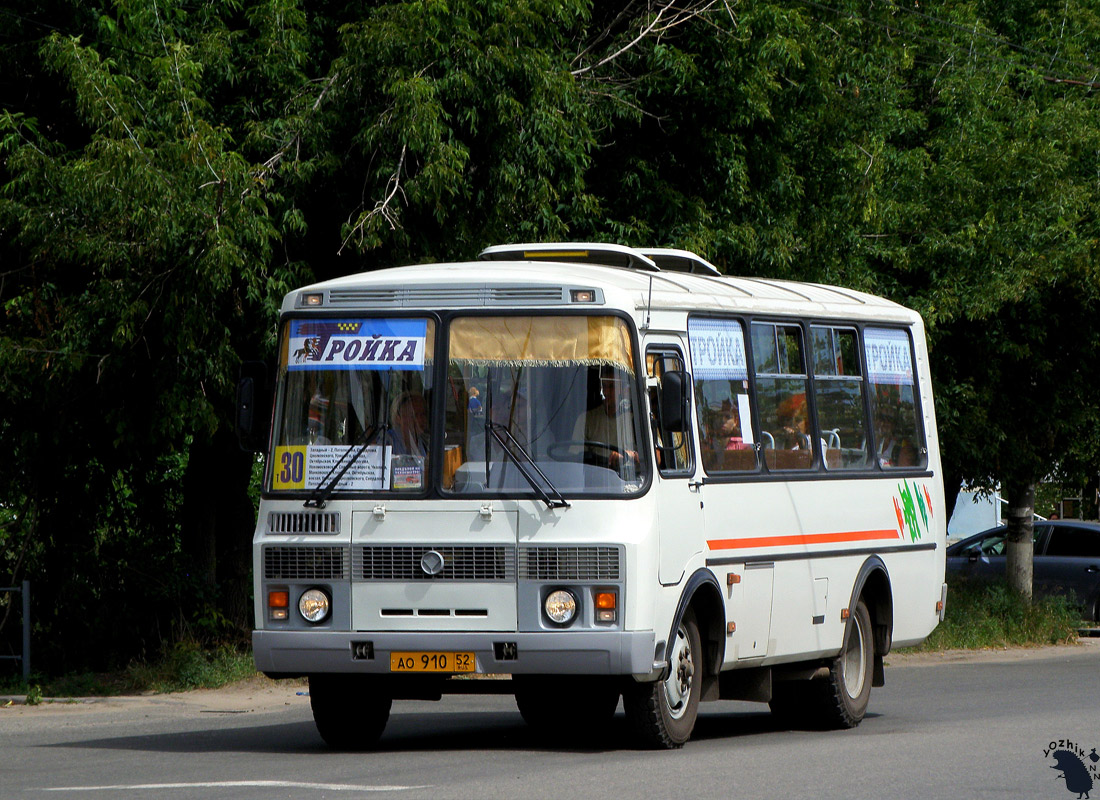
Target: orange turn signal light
point(278, 599)
point(605, 600)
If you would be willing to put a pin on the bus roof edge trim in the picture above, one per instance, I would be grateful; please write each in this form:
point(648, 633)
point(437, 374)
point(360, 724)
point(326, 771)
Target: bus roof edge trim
point(611, 255)
point(676, 260)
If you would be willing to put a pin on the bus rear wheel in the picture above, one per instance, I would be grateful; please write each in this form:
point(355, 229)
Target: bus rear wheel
point(838, 700)
point(663, 713)
point(847, 690)
point(350, 711)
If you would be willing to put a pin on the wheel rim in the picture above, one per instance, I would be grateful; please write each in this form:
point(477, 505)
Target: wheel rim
point(680, 676)
point(854, 663)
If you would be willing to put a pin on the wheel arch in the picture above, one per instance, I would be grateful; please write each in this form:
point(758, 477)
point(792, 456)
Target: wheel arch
point(704, 597)
point(873, 586)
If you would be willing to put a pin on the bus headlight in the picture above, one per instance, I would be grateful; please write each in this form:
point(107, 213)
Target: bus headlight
point(314, 605)
point(560, 606)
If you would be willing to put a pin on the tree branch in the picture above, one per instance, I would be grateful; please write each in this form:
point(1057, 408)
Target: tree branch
point(382, 207)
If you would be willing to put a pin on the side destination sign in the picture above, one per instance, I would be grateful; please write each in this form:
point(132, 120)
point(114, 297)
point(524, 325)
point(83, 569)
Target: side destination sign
point(378, 344)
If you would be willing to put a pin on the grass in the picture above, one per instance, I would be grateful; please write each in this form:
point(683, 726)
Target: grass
point(986, 614)
point(186, 666)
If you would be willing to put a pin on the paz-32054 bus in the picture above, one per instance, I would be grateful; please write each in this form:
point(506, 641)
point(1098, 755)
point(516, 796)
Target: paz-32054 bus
point(577, 473)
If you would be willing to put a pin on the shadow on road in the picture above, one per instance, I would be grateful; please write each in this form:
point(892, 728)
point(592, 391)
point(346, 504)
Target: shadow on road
point(430, 732)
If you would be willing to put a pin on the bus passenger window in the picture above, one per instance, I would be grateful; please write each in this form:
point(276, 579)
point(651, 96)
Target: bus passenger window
point(721, 383)
point(838, 391)
point(781, 391)
point(898, 437)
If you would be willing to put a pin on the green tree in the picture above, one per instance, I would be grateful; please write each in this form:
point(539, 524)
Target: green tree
point(980, 195)
point(143, 259)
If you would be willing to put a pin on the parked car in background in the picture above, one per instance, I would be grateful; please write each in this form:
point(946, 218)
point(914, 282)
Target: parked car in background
point(1067, 560)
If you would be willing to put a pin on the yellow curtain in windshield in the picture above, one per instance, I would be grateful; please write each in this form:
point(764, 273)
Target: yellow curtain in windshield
point(542, 341)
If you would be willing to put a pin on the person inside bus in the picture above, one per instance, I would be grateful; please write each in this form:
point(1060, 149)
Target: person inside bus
point(794, 422)
point(894, 449)
point(408, 433)
point(610, 424)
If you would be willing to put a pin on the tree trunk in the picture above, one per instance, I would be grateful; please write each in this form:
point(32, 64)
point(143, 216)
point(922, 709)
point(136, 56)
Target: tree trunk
point(1091, 498)
point(952, 486)
point(1019, 543)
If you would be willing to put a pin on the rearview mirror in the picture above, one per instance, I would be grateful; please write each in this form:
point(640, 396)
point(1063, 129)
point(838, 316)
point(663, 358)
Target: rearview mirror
point(675, 401)
point(253, 407)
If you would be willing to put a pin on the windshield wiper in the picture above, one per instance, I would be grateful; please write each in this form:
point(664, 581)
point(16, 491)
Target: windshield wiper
point(500, 433)
point(320, 495)
point(326, 487)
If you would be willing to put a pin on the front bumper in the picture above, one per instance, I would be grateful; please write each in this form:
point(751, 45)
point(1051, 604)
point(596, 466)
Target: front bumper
point(555, 652)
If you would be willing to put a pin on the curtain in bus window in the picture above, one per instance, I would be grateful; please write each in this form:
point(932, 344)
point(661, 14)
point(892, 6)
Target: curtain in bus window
point(721, 380)
point(781, 391)
point(543, 341)
point(838, 387)
point(898, 439)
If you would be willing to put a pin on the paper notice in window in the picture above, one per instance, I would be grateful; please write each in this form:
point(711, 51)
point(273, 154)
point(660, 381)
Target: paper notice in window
point(745, 414)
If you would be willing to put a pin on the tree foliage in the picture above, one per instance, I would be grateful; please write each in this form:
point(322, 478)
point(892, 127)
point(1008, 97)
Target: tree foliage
point(169, 170)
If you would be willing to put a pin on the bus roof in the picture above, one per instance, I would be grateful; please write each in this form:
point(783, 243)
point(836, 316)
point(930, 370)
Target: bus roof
point(550, 274)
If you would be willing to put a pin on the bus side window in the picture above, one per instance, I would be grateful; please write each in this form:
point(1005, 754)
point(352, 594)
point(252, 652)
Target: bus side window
point(839, 393)
point(722, 404)
point(781, 392)
point(672, 449)
point(895, 423)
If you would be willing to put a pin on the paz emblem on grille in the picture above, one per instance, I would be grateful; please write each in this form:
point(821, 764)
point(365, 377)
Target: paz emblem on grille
point(432, 562)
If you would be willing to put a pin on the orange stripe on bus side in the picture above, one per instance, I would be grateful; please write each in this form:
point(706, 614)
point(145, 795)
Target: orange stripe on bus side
point(801, 538)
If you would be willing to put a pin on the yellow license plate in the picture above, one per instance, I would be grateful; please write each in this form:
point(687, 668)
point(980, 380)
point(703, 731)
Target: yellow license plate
point(432, 662)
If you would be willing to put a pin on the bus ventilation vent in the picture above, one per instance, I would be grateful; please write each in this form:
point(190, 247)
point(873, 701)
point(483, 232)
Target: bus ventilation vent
point(384, 563)
point(303, 522)
point(431, 296)
point(569, 563)
point(305, 563)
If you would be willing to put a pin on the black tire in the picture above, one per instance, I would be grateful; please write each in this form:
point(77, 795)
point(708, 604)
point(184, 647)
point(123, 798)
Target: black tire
point(663, 713)
point(350, 711)
point(838, 700)
point(552, 705)
point(846, 692)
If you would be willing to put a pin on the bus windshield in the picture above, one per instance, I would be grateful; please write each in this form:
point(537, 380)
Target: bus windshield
point(531, 405)
point(354, 398)
point(558, 392)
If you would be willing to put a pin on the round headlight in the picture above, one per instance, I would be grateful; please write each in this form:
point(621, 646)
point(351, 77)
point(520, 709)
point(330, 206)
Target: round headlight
point(313, 605)
point(561, 606)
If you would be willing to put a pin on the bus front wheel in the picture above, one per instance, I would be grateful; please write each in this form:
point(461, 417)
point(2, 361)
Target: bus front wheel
point(350, 712)
point(663, 713)
point(552, 705)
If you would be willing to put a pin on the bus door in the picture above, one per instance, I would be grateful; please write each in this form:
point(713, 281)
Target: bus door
point(741, 516)
point(679, 506)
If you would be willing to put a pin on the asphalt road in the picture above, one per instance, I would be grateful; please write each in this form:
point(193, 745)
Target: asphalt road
point(942, 727)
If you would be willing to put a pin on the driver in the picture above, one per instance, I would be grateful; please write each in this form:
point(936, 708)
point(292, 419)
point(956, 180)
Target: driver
point(611, 423)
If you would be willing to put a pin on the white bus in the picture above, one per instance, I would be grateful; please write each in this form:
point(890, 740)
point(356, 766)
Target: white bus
point(582, 472)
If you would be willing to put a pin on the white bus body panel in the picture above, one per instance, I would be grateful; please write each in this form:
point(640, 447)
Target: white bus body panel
point(785, 553)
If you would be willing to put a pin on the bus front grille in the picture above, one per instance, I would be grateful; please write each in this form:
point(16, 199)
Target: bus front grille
point(570, 563)
point(303, 522)
point(403, 563)
point(293, 563)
